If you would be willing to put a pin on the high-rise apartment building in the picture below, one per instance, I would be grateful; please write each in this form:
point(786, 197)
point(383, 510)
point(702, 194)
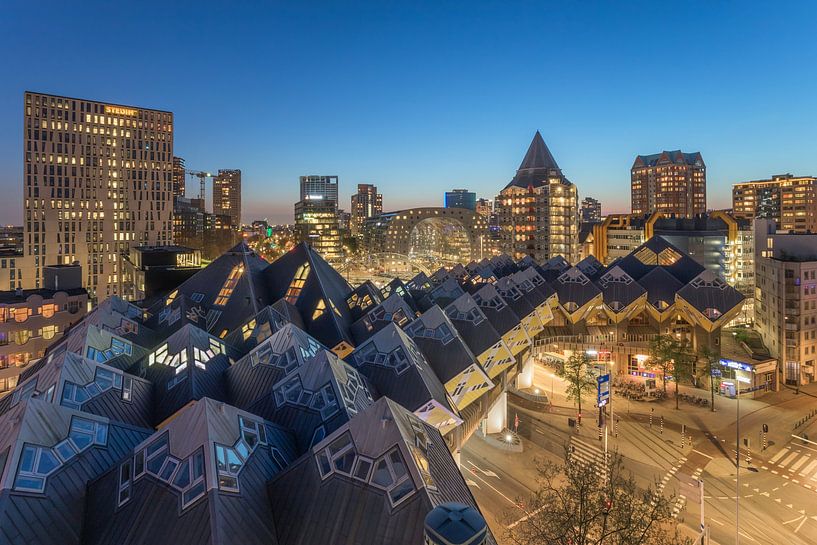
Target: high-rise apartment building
point(670, 182)
point(537, 212)
point(461, 198)
point(227, 196)
point(366, 203)
point(319, 188)
point(786, 299)
point(590, 210)
point(485, 207)
point(791, 201)
point(178, 177)
point(98, 179)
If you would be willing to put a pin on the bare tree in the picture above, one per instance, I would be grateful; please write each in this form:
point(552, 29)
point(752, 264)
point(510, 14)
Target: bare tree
point(576, 505)
point(579, 377)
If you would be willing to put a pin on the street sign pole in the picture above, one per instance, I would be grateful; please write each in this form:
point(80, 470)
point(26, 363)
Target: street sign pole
point(703, 524)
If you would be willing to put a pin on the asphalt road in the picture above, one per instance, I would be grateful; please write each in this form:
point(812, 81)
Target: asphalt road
point(778, 497)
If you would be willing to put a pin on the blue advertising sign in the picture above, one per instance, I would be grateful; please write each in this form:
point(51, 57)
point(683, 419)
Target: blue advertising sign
point(736, 365)
point(603, 390)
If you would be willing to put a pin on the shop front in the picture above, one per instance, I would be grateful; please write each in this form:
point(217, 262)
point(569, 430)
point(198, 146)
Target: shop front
point(752, 378)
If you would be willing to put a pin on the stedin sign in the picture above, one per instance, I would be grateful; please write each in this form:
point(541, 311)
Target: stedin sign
point(119, 110)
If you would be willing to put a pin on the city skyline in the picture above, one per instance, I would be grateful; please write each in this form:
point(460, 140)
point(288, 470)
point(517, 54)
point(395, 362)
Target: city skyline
point(410, 130)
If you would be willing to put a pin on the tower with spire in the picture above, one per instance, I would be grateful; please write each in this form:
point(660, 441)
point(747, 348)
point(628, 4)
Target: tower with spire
point(537, 211)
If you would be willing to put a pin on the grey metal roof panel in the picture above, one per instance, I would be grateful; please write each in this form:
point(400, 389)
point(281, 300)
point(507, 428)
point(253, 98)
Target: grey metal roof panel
point(494, 306)
point(472, 324)
point(711, 295)
point(655, 252)
point(398, 369)
point(322, 285)
point(393, 309)
point(445, 292)
point(351, 511)
point(619, 289)
point(572, 286)
point(514, 296)
point(441, 344)
point(661, 285)
point(253, 376)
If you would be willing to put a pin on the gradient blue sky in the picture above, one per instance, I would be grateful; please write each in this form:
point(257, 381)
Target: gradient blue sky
point(420, 97)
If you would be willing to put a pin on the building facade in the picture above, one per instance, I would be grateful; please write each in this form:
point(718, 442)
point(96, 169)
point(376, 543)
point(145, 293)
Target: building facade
point(791, 201)
point(485, 207)
point(538, 212)
point(670, 182)
point(156, 270)
point(317, 223)
point(32, 320)
point(717, 241)
point(319, 188)
point(179, 177)
point(786, 299)
point(366, 203)
point(461, 198)
point(98, 179)
point(227, 196)
point(590, 210)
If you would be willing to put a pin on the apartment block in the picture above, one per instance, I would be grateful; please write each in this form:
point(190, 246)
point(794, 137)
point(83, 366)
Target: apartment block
point(791, 201)
point(670, 182)
point(98, 179)
point(786, 299)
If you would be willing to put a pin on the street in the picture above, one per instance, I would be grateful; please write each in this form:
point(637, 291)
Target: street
point(778, 489)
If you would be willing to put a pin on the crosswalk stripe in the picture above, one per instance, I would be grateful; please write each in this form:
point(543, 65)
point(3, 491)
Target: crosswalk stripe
point(779, 455)
point(808, 469)
point(788, 459)
point(799, 463)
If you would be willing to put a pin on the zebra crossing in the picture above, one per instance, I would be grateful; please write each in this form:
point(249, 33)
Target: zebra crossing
point(797, 464)
point(585, 454)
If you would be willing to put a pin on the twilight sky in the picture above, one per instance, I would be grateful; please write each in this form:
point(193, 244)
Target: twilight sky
point(419, 97)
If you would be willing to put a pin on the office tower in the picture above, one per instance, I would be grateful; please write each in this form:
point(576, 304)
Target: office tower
point(484, 207)
point(227, 196)
point(317, 223)
point(670, 182)
point(538, 212)
point(786, 303)
point(178, 177)
point(461, 198)
point(590, 210)
point(366, 203)
point(98, 179)
point(316, 215)
point(791, 201)
point(319, 188)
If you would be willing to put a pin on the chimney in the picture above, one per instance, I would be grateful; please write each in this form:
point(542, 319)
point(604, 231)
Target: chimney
point(455, 524)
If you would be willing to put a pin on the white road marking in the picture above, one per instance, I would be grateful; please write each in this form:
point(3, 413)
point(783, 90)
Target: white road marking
point(779, 455)
point(701, 453)
point(788, 459)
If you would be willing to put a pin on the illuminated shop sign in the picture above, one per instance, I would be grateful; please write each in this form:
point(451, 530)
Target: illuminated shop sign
point(737, 365)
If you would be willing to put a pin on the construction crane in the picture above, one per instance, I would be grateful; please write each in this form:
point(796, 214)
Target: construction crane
point(202, 176)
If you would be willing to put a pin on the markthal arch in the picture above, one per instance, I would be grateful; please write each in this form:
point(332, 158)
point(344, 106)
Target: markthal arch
point(429, 235)
point(271, 403)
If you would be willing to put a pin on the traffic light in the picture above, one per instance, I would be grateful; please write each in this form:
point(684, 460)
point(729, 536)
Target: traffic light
point(765, 428)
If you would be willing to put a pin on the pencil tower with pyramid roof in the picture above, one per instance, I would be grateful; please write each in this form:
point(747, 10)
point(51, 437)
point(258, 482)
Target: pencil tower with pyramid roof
point(537, 211)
